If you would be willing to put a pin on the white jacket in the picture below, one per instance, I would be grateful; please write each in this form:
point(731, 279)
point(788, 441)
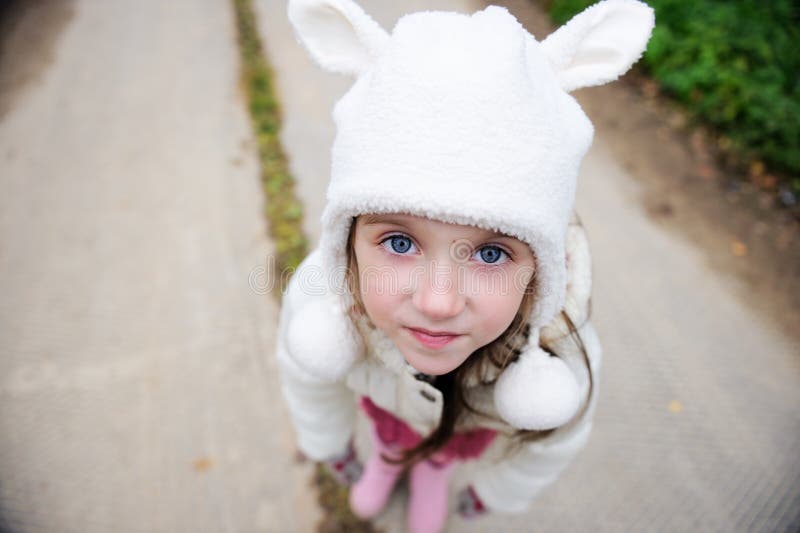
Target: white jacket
point(324, 413)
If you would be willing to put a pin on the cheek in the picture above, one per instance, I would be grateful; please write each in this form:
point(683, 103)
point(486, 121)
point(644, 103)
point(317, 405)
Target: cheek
point(377, 300)
point(384, 285)
point(497, 311)
point(386, 280)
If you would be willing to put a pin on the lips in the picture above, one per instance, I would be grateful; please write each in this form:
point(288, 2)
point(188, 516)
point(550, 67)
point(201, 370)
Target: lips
point(436, 333)
point(433, 339)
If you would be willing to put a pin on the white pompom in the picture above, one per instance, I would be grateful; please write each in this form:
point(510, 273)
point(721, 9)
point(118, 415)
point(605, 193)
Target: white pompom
point(323, 340)
point(537, 392)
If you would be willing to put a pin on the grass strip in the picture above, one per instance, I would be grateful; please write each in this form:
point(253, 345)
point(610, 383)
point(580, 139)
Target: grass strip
point(284, 210)
point(284, 213)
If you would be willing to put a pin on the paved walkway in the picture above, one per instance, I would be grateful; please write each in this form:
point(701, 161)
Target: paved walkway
point(137, 388)
point(697, 427)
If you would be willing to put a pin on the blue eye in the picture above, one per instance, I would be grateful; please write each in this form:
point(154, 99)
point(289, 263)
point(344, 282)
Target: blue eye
point(491, 254)
point(398, 244)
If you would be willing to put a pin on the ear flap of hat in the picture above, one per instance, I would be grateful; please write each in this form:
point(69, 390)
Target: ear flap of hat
point(579, 285)
point(338, 34)
point(537, 392)
point(599, 44)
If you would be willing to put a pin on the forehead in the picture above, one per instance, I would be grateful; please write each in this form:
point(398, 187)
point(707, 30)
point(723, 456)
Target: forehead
point(420, 224)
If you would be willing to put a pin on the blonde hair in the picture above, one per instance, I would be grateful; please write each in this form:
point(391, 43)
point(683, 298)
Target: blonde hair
point(499, 353)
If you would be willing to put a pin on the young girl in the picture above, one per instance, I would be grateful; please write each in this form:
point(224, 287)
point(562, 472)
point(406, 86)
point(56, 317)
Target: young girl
point(449, 296)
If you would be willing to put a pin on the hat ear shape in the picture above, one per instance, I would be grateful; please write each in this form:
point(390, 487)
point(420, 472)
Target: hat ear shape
point(537, 392)
point(338, 34)
point(599, 44)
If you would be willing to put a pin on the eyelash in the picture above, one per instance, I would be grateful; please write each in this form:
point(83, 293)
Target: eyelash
point(386, 244)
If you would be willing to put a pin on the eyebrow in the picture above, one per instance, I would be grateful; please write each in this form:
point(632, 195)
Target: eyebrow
point(374, 219)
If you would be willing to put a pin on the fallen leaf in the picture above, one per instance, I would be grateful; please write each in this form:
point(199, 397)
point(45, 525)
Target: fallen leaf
point(650, 88)
point(202, 464)
point(768, 181)
point(675, 406)
point(706, 172)
point(663, 209)
point(738, 248)
point(756, 169)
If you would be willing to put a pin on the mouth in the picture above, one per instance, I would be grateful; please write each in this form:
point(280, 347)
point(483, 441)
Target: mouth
point(433, 339)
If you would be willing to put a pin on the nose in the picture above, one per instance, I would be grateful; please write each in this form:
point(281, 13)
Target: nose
point(439, 296)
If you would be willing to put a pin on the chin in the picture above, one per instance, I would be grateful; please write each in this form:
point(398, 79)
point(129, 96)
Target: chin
point(433, 365)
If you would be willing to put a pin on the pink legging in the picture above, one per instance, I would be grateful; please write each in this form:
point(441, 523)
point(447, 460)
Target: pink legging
point(391, 430)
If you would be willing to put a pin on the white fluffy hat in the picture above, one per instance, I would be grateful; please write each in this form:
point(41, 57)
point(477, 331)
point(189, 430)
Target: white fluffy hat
point(467, 120)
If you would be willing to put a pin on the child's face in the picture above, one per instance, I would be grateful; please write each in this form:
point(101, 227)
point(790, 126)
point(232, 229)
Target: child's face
point(439, 291)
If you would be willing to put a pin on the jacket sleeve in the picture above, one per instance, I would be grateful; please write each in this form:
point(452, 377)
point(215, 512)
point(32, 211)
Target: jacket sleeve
point(511, 483)
point(322, 412)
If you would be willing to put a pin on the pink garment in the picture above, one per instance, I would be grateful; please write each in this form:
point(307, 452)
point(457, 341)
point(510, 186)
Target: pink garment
point(369, 494)
point(391, 430)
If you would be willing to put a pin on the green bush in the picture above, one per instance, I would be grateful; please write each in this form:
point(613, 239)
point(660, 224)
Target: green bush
point(735, 64)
